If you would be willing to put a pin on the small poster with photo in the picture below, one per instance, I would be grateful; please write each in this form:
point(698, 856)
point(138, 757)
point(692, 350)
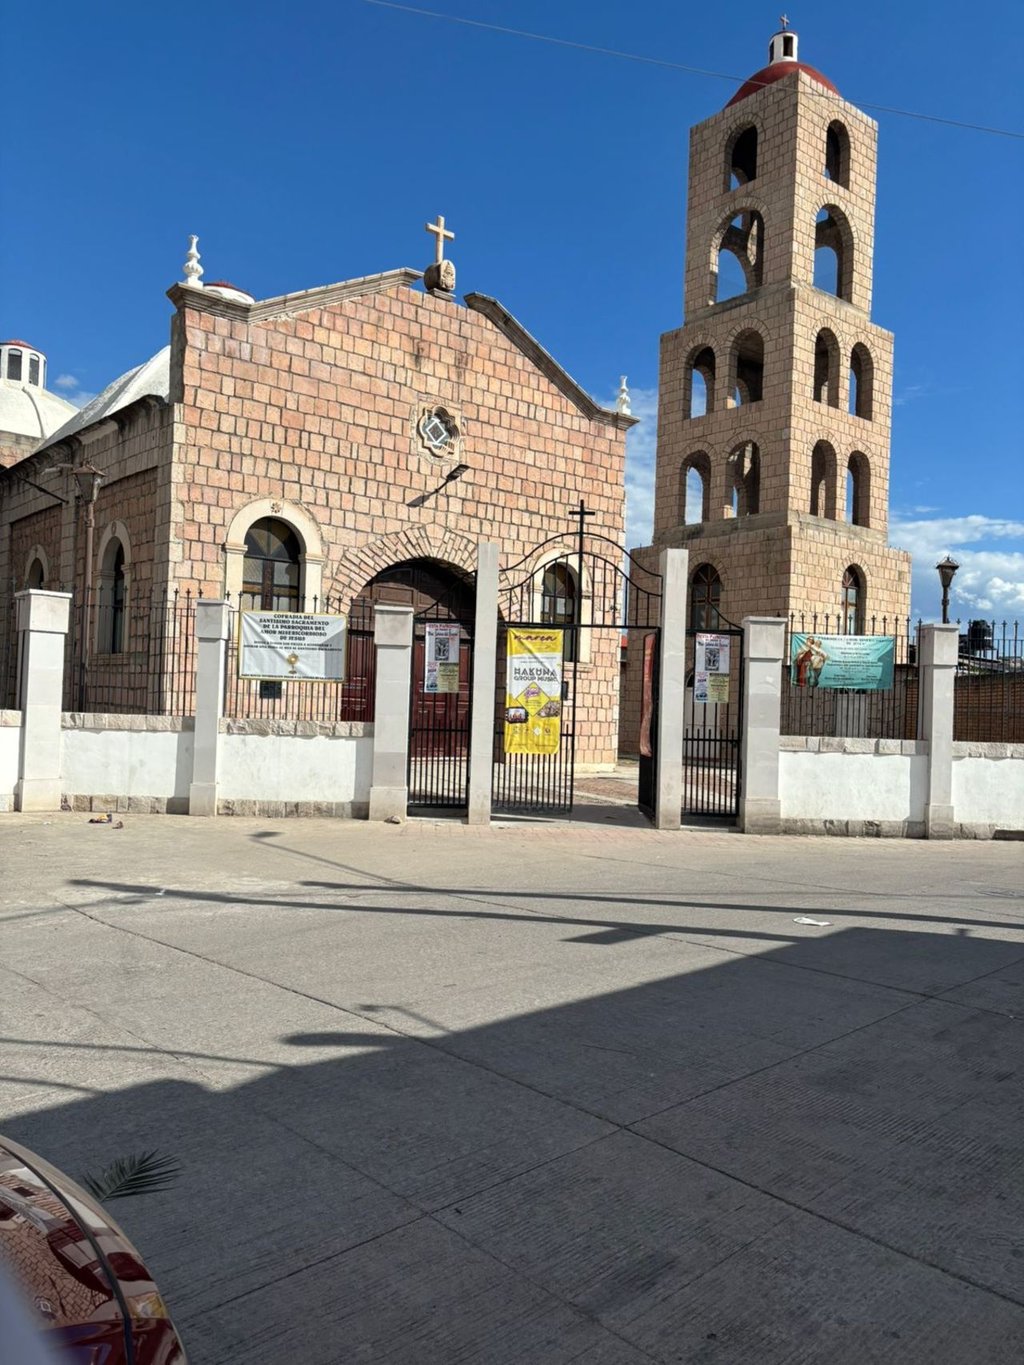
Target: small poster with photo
point(441, 658)
point(712, 654)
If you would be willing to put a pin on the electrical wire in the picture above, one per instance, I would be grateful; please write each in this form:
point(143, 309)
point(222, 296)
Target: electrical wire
point(671, 66)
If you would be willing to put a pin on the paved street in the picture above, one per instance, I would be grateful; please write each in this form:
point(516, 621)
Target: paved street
point(540, 1093)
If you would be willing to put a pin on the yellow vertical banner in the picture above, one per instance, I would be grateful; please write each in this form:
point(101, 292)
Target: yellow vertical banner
point(533, 691)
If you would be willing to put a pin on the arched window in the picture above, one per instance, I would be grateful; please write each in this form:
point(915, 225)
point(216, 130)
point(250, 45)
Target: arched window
point(837, 154)
point(272, 567)
point(705, 598)
point(559, 602)
point(833, 253)
point(852, 616)
point(826, 368)
point(745, 479)
point(747, 368)
point(36, 576)
point(741, 158)
point(823, 481)
point(858, 490)
point(696, 489)
point(862, 382)
point(737, 257)
point(111, 622)
point(700, 378)
point(14, 365)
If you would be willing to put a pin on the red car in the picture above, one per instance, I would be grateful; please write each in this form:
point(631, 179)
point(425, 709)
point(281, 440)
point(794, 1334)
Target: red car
point(93, 1298)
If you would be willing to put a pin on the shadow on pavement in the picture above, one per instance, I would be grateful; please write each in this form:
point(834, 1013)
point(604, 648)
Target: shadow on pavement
point(768, 1160)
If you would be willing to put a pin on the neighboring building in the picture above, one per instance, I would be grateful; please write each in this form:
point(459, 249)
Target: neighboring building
point(29, 413)
point(775, 396)
point(322, 448)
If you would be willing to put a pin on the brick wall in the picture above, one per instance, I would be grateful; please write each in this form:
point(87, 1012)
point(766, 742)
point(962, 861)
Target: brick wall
point(319, 411)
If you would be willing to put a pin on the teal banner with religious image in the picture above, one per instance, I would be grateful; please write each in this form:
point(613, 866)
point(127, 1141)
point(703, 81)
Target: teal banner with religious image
point(858, 663)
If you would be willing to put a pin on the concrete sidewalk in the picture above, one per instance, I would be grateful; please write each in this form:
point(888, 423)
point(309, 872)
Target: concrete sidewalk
point(536, 1093)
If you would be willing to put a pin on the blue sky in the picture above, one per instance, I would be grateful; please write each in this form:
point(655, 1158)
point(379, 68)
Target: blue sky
point(308, 143)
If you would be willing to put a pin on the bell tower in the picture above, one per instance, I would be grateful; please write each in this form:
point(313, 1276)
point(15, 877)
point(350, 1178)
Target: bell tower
point(775, 395)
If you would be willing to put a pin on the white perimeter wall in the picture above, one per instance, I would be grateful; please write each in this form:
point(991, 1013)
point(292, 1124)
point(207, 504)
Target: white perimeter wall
point(102, 757)
point(324, 769)
point(144, 763)
point(10, 745)
point(988, 785)
point(862, 781)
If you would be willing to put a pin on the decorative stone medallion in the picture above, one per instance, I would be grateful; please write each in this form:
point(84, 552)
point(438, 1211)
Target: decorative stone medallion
point(439, 430)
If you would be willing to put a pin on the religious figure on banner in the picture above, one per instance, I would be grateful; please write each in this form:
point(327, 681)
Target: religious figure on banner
point(808, 662)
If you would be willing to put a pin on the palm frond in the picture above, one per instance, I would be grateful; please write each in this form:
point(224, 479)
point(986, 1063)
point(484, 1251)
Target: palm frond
point(139, 1173)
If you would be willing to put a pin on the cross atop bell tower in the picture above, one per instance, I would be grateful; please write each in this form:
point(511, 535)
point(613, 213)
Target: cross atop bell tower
point(775, 395)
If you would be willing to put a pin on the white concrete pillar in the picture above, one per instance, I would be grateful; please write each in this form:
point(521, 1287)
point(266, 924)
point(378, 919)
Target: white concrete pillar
point(392, 636)
point(673, 565)
point(42, 628)
point(485, 662)
point(939, 650)
point(213, 623)
point(764, 639)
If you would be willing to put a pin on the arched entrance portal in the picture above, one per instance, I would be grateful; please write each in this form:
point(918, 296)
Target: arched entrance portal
point(443, 599)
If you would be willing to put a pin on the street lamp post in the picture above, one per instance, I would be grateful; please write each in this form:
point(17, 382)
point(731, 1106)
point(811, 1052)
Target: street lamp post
point(88, 478)
point(946, 568)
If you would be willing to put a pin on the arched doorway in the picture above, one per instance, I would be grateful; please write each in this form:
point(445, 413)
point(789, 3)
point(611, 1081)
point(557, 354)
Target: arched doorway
point(443, 599)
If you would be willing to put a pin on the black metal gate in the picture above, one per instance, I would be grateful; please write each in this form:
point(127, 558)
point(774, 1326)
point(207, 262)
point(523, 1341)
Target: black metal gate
point(713, 725)
point(439, 721)
point(593, 594)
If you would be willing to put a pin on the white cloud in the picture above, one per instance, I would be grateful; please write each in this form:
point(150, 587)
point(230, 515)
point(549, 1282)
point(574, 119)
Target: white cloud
point(72, 390)
point(990, 579)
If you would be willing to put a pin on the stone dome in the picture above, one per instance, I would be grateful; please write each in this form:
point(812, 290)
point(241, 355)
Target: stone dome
point(226, 290)
point(28, 411)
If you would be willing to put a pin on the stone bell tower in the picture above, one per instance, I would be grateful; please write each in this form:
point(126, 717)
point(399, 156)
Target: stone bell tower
point(776, 393)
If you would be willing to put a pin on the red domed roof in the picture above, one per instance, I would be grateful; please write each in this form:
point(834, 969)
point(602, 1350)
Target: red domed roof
point(26, 344)
point(778, 71)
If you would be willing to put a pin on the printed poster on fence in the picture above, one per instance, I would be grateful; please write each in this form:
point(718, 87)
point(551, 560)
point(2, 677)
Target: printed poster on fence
point(533, 701)
point(861, 663)
point(291, 644)
point(441, 658)
point(711, 668)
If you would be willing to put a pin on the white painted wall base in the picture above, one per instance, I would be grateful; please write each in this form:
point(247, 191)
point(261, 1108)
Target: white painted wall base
point(10, 749)
point(988, 789)
point(143, 764)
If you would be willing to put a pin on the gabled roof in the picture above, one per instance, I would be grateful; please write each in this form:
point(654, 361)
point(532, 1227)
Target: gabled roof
point(545, 362)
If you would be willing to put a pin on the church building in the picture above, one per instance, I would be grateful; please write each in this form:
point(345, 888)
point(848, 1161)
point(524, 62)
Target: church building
point(775, 396)
point(319, 450)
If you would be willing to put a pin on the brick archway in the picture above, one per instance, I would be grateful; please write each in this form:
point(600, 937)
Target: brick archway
point(358, 566)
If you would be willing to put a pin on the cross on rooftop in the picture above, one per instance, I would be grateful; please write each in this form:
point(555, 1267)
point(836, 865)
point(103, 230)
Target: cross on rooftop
point(440, 235)
point(784, 21)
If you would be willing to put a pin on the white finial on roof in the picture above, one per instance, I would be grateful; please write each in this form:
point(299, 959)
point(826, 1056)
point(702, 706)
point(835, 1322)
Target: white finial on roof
point(193, 270)
point(622, 403)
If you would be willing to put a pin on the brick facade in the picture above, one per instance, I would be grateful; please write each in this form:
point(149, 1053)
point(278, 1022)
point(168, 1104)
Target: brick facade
point(306, 408)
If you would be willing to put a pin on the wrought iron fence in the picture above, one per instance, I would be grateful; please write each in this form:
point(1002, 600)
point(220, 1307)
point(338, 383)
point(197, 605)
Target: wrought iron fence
point(133, 657)
point(851, 713)
point(295, 699)
point(9, 657)
point(988, 705)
